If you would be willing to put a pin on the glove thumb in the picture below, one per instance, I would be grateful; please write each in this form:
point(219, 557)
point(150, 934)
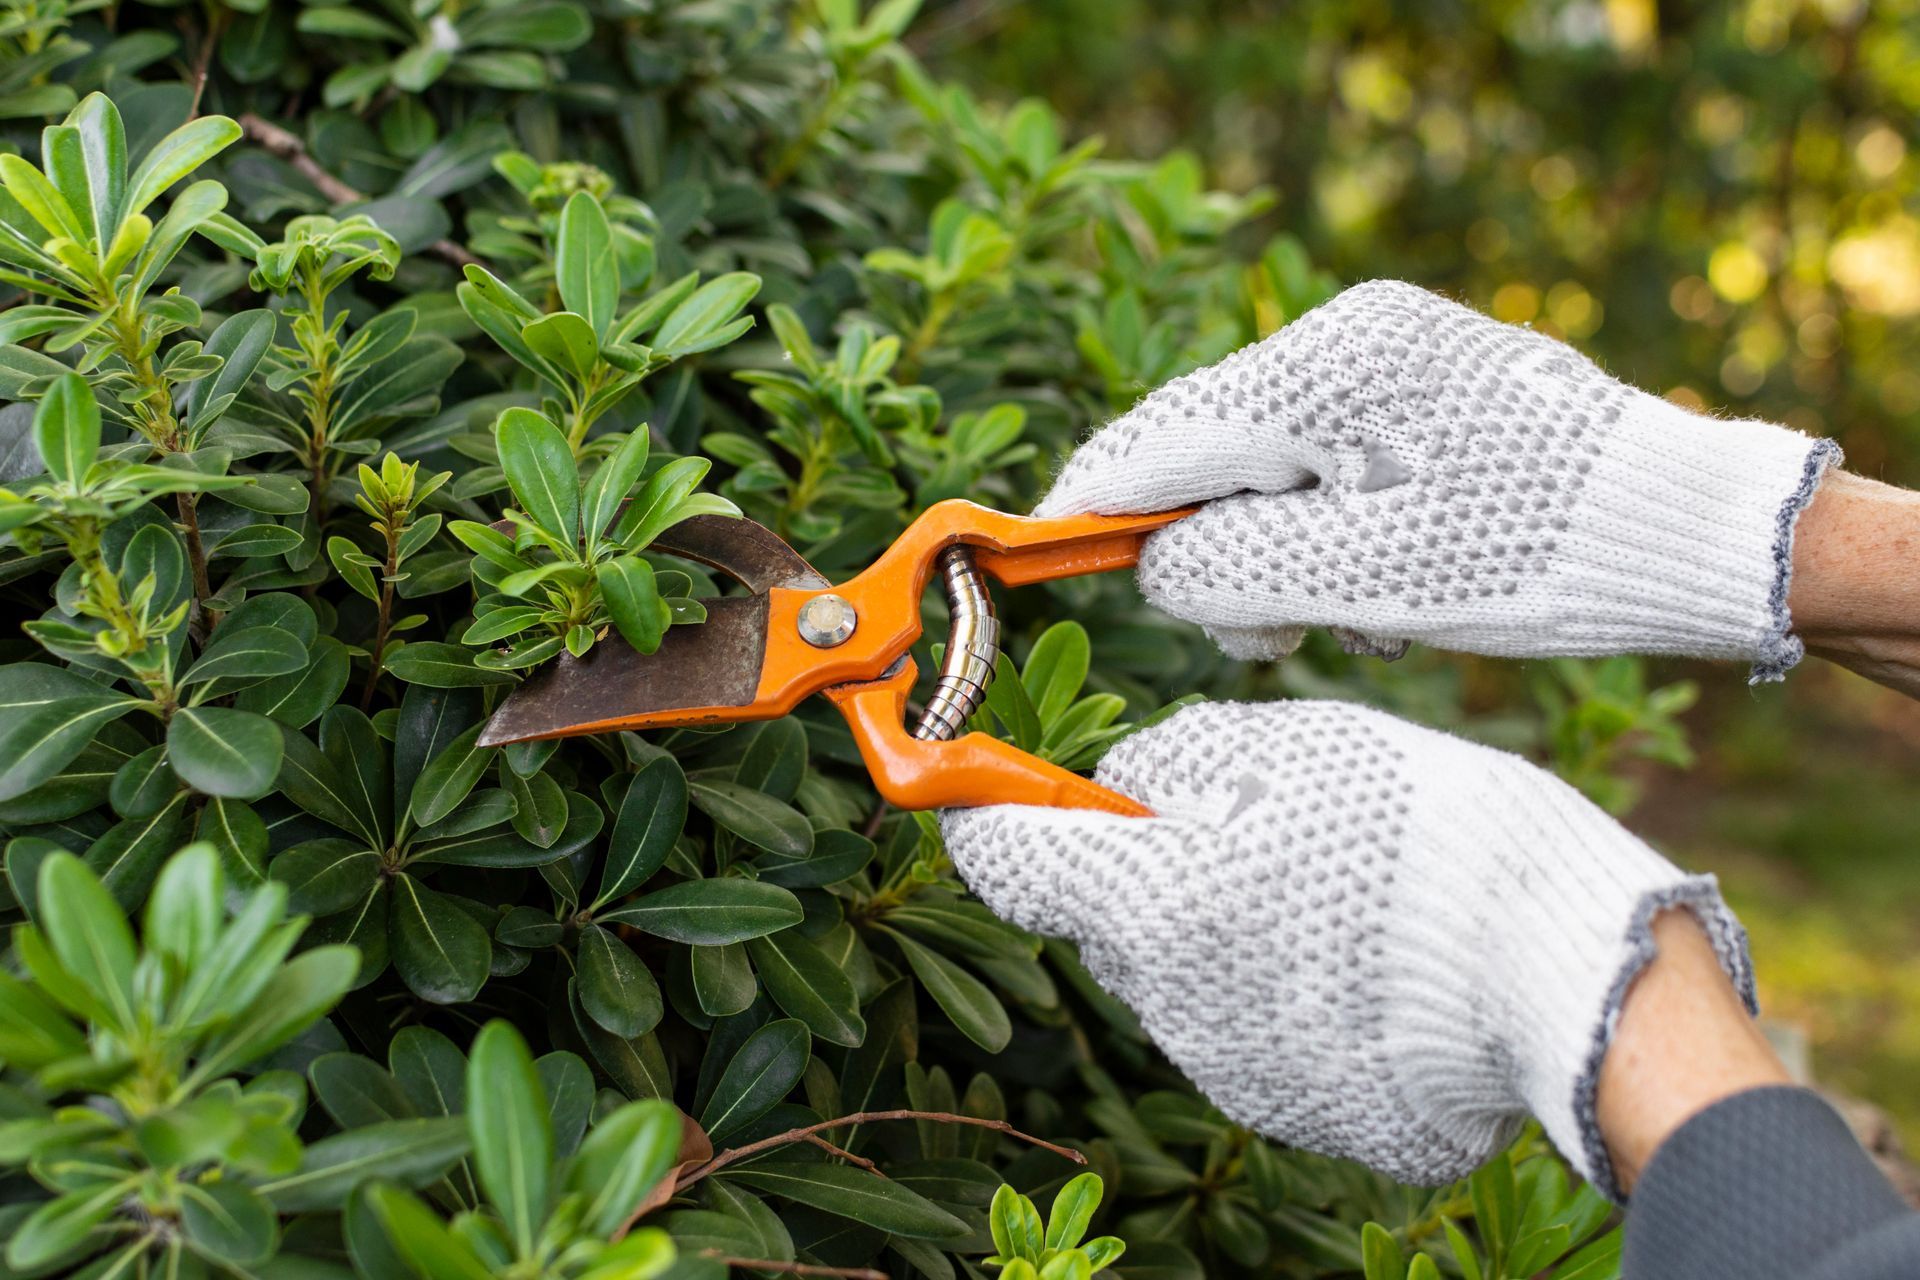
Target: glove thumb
point(1024, 862)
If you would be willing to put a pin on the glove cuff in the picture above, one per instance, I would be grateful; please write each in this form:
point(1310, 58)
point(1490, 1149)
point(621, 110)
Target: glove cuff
point(1578, 1134)
point(1691, 546)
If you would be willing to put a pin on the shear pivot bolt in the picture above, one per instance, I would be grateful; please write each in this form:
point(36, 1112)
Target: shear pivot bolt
point(826, 621)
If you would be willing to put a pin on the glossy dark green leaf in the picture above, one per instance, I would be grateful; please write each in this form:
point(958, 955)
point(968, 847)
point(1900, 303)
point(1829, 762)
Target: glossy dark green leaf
point(712, 912)
point(413, 1153)
point(440, 951)
point(357, 1091)
point(808, 986)
point(297, 698)
point(429, 720)
point(47, 714)
point(309, 779)
point(761, 1073)
point(239, 657)
point(540, 807)
point(851, 1193)
point(653, 811)
point(66, 428)
point(723, 980)
point(775, 760)
point(219, 751)
point(758, 819)
point(615, 988)
point(441, 666)
point(837, 853)
point(449, 777)
point(143, 785)
point(128, 856)
point(325, 876)
point(967, 1000)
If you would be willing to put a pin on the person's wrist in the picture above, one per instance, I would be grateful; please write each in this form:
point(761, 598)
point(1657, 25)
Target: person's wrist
point(1855, 598)
point(1684, 1042)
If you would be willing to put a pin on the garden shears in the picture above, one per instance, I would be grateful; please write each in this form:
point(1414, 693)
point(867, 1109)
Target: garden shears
point(794, 634)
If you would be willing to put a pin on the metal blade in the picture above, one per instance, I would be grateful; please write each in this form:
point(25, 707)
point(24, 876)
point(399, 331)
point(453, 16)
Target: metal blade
point(743, 549)
point(714, 664)
point(709, 667)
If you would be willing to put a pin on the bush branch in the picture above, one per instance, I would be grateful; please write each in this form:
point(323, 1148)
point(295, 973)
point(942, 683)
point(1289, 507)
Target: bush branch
point(735, 1154)
point(288, 147)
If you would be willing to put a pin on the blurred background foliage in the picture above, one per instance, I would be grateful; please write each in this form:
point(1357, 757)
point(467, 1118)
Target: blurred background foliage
point(1717, 200)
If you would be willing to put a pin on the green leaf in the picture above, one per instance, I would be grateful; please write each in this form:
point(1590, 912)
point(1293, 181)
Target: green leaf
point(177, 155)
point(654, 509)
point(616, 989)
point(837, 854)
point(449, 777)
point(309, 779)
point(1072, 1211)
point(584, 265)
point(413, 1152)
point(723, 981)
point(633, 602)
point(99, 186)
point(441, 666)
point(540, 469)
point(625, 1155)
point(1495, 1209)
point(222, 752)
point(759, 1074)
point(567, 340)
point(325, 876)
point(806, 984)
point(1380, 1254)
point(440, 951)
point(47, 714)
point(41, 199)
point(1015, 1225)
point(851, 1193)
point(512, 1135)
point(968, 1001)
point(758, 819)
point(228, 1221)
point(88, 934)
point(33, 1031)
point(295, 995)
point(712, 913)
point(241, 342)
point(419, 1235)
point(613, 479)
point(59, 1225)
point(653, 812)
point(1056, 670)
point(128, 856)
point(696, 323)
point(66, 427)
point(246, 655)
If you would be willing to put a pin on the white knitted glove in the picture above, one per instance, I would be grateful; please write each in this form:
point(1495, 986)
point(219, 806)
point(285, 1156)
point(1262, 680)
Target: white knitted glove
point(1409, 469)
point(1353, 934)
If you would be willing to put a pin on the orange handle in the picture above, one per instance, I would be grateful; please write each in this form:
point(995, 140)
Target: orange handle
point(972, 770)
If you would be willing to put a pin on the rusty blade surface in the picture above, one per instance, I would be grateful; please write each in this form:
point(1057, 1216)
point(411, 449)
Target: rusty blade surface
point(715, 663)
point(710, 665)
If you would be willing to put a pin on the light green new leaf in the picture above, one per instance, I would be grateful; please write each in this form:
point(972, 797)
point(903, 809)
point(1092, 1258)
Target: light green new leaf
point(633, 602)
point(566, 339)
point(177, 155)
point(540, 470)
point(66, 427)
point(588, 275)
point(701, 318)
point(610, 482)
point(513, 1133)
point(88, 933)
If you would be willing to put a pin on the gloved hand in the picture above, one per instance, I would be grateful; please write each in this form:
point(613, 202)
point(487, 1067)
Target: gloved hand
point(1353, 934)
point(1405, 468)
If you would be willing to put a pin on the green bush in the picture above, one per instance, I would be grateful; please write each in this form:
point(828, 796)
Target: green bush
point(329, 292)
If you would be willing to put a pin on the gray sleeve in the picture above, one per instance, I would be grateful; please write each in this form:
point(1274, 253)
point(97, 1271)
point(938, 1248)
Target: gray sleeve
point(1768, 1183)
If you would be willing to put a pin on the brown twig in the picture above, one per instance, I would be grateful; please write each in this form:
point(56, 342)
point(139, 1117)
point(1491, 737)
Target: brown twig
point(820, 1142)
point(288, 147)
point(735, 1154)
point(792, 1268)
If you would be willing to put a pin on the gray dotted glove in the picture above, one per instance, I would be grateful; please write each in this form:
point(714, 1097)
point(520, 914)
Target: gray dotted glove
point(1399, 467)
point(1354, 935)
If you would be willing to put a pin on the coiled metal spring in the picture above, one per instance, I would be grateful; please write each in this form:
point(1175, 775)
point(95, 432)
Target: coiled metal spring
point(973, 647)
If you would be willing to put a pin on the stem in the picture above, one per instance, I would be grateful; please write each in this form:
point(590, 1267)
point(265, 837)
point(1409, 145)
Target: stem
point(939, 311)
point(792, 1268)
point(204, 619)
point(386, 613)
point(288, 147)
point(734, 1155)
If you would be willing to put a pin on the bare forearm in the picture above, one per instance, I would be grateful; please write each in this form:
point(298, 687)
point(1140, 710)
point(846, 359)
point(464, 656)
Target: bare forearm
point(1856, 579)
